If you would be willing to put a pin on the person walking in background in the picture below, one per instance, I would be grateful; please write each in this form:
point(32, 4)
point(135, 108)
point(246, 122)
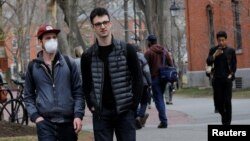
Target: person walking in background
point(53, 93)
point(112, 81)
point(224, 60)
point(78, 53)
point(154, 56)
point(170, 86)
point(169, 93)
point(142, 116)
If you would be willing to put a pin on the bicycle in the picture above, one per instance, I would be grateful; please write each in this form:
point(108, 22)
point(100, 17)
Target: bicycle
point(5, 93)
point(14, 110)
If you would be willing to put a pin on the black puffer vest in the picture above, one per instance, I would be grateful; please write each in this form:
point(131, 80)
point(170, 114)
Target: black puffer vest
point(120, 77)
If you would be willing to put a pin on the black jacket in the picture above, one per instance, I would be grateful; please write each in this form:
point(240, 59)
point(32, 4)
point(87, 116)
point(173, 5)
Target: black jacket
point(224, 64)
point(55, 95)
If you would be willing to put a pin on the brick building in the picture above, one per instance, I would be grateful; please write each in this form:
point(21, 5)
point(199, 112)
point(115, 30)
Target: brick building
point(10, 56)
point(204, 18)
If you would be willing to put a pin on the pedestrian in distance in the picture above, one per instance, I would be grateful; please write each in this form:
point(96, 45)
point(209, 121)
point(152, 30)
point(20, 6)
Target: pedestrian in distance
point(170, 86)
point(112, 81)
point(78, 53)
point(154, 56)
point(169, 93)
point(224, 60)
point(53, 93)
point(142, 116)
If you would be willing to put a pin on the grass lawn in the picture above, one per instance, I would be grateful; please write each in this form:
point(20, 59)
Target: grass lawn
point(208, 92)
point(16, 132)
point(83, 136)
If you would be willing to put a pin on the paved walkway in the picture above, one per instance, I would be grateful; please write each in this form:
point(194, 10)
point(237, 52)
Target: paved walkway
point(188, 119)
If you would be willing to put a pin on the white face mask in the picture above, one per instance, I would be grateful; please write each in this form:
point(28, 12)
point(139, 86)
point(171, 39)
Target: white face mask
point(51, 46)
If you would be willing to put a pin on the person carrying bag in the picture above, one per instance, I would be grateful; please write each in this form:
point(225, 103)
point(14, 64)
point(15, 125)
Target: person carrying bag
point(167, 73)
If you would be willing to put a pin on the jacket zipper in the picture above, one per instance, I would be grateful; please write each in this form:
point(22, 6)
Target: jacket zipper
point(52, 79)
point(112, 90)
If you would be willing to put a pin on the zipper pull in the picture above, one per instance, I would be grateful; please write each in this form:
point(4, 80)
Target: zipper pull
point(53, 86)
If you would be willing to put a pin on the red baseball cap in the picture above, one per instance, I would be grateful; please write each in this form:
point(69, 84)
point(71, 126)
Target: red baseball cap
point(46, 29)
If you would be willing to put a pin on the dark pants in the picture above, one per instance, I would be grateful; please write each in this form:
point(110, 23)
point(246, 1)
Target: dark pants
point(223, 98)
point(109, 122)
point(143, 102)
point(150, 95)
point(48, 131)
point(158, 88)
point(170, 88)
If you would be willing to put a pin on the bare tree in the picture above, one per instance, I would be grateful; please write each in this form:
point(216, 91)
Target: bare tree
point(156, 17)
point(70, 17)
point(21, 20)
point(1, 16)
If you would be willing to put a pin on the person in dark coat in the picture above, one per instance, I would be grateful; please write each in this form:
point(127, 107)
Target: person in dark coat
point(224, 60)
point(112, 81)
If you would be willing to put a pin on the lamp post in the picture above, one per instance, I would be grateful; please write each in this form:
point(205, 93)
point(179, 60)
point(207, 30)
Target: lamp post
point(135, 22)
point(174, 10)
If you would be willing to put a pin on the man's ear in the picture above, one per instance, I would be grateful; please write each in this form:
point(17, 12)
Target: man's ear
point(40, 42)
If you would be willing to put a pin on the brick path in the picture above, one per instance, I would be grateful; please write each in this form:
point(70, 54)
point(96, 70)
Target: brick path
point(174, 117)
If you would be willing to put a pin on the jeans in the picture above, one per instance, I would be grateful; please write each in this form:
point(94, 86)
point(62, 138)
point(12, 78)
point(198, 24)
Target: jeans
point(158, 88)
point(48, 131)
point(108, 123)
point(144, 102)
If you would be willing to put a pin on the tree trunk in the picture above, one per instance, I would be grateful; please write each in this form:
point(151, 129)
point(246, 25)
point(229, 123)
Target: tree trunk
point(70, 12)
point(51, 12)
point(1, 17)
point(126, 20)
point(155, 16)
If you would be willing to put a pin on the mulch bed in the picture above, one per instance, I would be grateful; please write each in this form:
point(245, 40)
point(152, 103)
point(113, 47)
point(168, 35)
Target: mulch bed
point(12, 130)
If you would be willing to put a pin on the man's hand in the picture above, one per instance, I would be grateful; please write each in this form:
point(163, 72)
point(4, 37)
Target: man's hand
point(218, 52)
point(39, 119)
point(77, 125)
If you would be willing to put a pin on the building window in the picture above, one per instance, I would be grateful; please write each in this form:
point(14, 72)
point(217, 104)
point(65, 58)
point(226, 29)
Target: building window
point(210, 26)
point(237, 27)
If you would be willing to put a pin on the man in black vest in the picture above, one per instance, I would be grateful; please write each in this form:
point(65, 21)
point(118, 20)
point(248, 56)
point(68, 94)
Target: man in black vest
point(112, 82)
point(224, 60)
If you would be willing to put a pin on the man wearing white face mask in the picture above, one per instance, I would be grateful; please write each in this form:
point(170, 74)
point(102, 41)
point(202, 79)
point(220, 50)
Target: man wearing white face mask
point(53, 93)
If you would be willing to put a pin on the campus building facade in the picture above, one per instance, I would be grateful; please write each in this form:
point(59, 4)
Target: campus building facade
point(204, 18)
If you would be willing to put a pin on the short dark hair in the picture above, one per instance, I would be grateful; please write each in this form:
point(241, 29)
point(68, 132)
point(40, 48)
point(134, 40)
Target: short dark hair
point(221, 34)
point(99, 11)
point(152, 42)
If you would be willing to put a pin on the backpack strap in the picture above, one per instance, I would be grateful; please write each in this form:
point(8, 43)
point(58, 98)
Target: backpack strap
point(32, 63)
point(68, 62)
point(30, 69)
